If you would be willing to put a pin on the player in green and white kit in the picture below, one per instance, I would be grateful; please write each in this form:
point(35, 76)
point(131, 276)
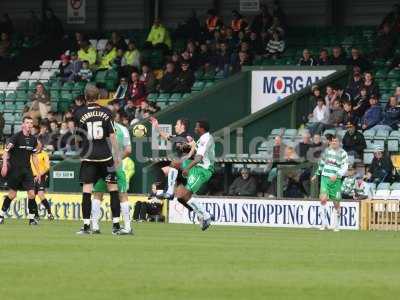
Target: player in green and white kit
point(332, 167)
point(198, 172)
point(124, 173)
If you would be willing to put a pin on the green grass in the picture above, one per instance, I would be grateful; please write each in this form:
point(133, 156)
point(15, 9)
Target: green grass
point(165, 261)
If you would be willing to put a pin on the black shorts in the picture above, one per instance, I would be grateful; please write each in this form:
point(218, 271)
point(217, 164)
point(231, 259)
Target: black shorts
point(20, 180)
point(92, 171)
point(42, 185)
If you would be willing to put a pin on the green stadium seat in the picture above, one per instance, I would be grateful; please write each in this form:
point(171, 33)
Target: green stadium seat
point(394, 74)
point(67, 86)
point(7, 130)
point(162, 105)
point(9, 118)
point(210, 75)
point(9, 107)
point(55, 86)
point(163, 97)
point(290, 133)
point(2, 96)
point(10, 97)
point(198, 86)
point(79, 86)
point(208, 85)
point(185, 95)
point(277, 131)
point(369, 134)
point(152, 97)
point(176, 97)
point(21, 96)
point(23, 86)
point(219, 75)
point(100, 77)
point(19, 106)
point(54, 95)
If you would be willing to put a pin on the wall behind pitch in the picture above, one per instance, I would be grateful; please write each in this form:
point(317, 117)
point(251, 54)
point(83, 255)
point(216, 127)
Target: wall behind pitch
point(367, 12)
point(18, 10)
point(122, 15)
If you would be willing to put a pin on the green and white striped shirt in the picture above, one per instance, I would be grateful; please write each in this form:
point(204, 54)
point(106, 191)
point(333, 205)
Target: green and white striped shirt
point(348, 185)
point(333, 163)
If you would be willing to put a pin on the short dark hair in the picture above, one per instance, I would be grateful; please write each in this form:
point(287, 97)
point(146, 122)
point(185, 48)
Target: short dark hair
point(320, 98)
point(204, 124)
point(184, 122)
point(26, 118)
point(330, 137)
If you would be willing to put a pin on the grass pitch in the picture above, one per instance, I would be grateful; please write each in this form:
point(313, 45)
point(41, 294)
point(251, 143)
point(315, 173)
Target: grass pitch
point(165, 261)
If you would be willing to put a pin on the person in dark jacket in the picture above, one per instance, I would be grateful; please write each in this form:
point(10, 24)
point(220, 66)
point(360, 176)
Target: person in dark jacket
point(373, 115)
point(349, 115)
point(168, 81)
point(306, 59)
point(185, 79)
point(381, 168)
point(361, 103)
point(244, 185)
point(353, 141)
point(303, 147)
point(357, 60)
point(323, 59)
point(385, 42)
point(391, 116)
point(337, 58)
point(222, 60)
point(65, 68)
point(370, 85)
point(355, 85)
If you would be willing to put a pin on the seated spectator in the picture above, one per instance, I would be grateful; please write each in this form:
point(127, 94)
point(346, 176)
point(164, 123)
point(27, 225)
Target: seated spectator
point(185, 79)
point(294, 187)
point(275, 46)
point(148, 79)
point(369, 85)
point(131, 56)
point(79, 102)
point(349, 115)
point(355, 85)
point(68, 140)
point(85, 74)
point(158, 37)
point(242, 60)
point(278, 149)
point(204, 57)
point(122, 90)
point(381, 168)
point(45, 137)
point(117, 62)
point(238, 23)
point(353, 141)
point(118, 42)
point(65, 68)
point(373, 115)
point(5, 45)
point(76, 66)
point(222, 59)
point(337, 58)
point(87, 53)
point(107, 56)
point(362, 189)
point(357, 60)
point(391, 116)
point(244, 185)
point(316, 148)
point(361, 103)
point(40, 104)
point(330, 95)
point(319, 118)
point(348, 184)
point(278, 26)
point(149, 210)
point(168, 81)
point(306, 60)
point(136, 90)
point(304, 145)
point(255, 44)
point(323, 59)
point(290, 154)
point(342, 95)
point(336, 115)
point(141, 111)
point(385, 42)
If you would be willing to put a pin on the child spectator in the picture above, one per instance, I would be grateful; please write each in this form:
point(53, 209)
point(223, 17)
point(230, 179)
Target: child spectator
point(85, 74)
point(362, 189)
point(348, 185)
point(330, 95)
point(361, 103)
point(349, 115)
point(355, 85)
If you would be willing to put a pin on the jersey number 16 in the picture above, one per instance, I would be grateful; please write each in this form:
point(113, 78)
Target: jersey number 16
point(95, 130)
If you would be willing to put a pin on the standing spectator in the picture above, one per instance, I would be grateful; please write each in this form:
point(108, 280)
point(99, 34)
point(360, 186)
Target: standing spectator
point(85, 74)
point(244, 185)
point(185, 79)
point(357, 60)
point(40, 103)
point(361, 103)
point(238, 23)
point(373, 115)
point(136, 90)
point(385, 42)
point(168, 81)
point(52, 25)
point(65, 68)
point(5, 45)
point(275, 46)
point(213, 23)
point(323, 59)
point(355, 85)
point(159, 37)
point(370, 86)
point(381, 167)
point(337, 58)
point(88, 53)
point(306, 59)
point(353, 141)
point(391, 116)
point(148, 79)
point(304, 145)
point(319, 118)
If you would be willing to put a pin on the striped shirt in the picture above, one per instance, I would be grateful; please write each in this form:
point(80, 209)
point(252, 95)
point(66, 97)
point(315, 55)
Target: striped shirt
point(348, 185)
point(333, 163)
point(275, 46)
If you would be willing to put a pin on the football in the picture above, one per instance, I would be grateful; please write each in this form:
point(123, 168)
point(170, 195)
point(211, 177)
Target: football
point(139, 131)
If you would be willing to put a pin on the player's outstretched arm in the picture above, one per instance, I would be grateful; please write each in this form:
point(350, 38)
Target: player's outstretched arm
point(163, 135)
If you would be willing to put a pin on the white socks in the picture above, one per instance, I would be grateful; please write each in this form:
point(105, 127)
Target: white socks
point(126, 215)
point(172, 175)
point(198, 208)
point(324, 215)
point(96, 213)
point(336, 218)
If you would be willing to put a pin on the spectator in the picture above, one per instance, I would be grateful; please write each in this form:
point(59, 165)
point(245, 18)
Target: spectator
point(361, 103)
point(185, 79)
point(323, 59)
point(158, 37)
point(118, 42)
point(337, 58)
point(362, 189)
point(5, 45)
point(319, 118)
point(355, 85)
point(278, 149)
point(136, 90)
point(168, 81)
point(151, 209)
point(148, 79)
point(130, 110)
point(306, 60)
point(381, 167)
point(108, 56)
point(304, 145)
point(275, 46)
point(122, 90)
point(357, 60)
point(65, 68)
point(131, 56)
point(336, 115)
point(244, 185)
point(231, 40)
point(348, 184)
point(44, 136)
point(342, 95)
point(117, 62)
point(353, 141)
point(369, 85)
point(40, 104)
point(68, 140)
point(141, 111)
point(349, 115)
point(204, 57)
point(79, 102)
point(76, 66)
point(52, 25)
point(244, 47)
point(238, 23)
point(255, 44)
point(391, 116)
point(85, 74)
point(289, 154)
point(222, 59)
point(6, 24)
point(317, 147)
point(213, 23)
point(397, 93)
point(88, 53)
point(242, 60)
point(294, 187)
point(385, 42)
point(373, 115)
point(330, 95)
